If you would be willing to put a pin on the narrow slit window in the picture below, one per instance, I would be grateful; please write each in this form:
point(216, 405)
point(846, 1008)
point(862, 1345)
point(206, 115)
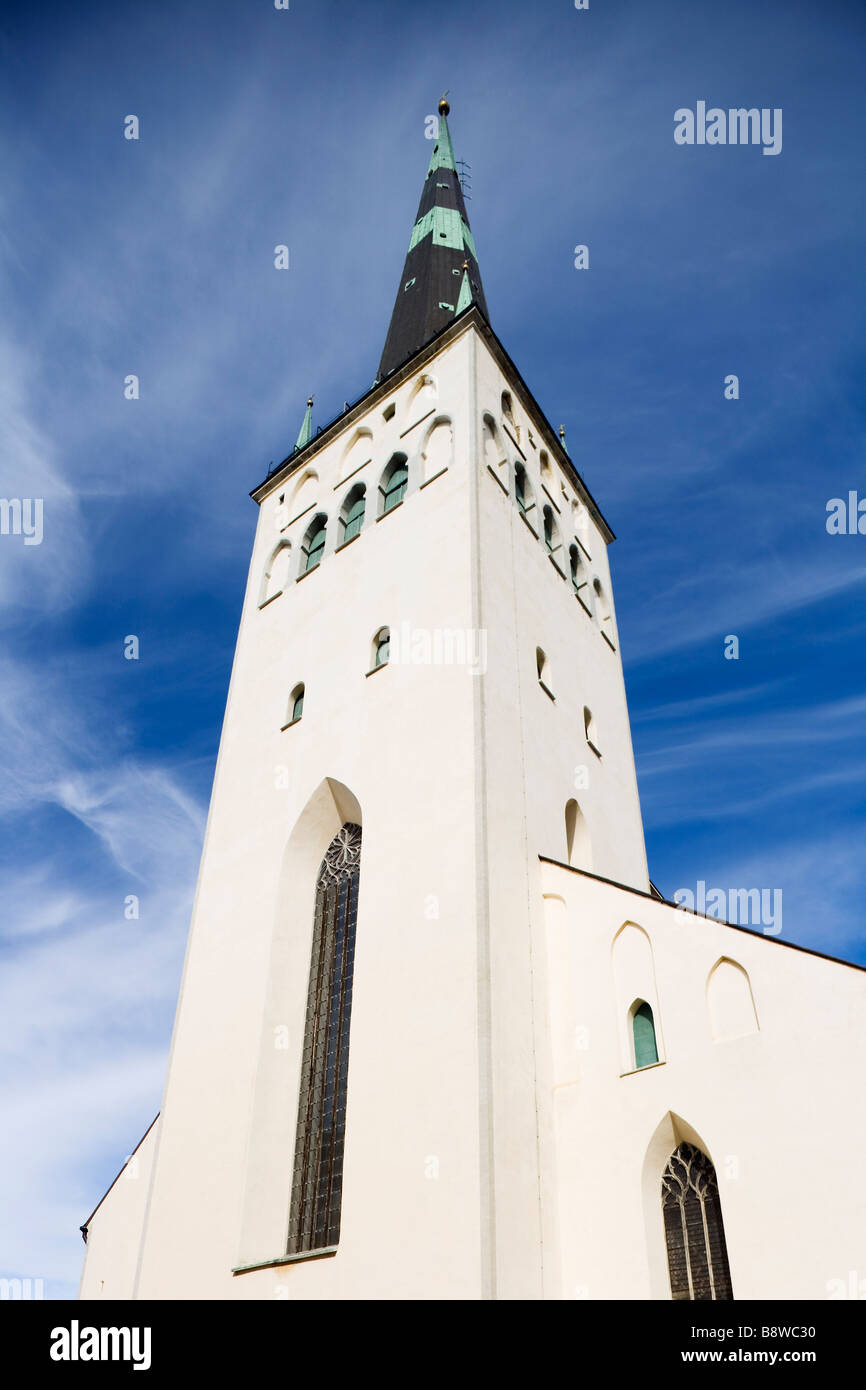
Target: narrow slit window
point(646, 1052)
point(296, 704)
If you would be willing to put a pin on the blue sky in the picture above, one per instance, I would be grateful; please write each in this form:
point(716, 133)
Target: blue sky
point(155, 257)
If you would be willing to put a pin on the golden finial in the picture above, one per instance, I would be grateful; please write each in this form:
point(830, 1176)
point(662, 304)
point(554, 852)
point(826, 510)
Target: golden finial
point(444, 108)
point(310, 402)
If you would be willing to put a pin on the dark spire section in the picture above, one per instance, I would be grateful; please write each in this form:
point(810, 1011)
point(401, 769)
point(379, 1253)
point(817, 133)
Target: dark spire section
point(432, 283)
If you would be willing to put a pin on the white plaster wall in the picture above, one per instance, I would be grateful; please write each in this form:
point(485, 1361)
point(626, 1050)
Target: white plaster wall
point(115, 1229)
point(402, 742)
point(779, 1110)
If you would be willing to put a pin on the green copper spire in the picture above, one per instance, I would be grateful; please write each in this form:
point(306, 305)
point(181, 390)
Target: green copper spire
point(440, 274)
point(306, 432)
point(562, 438)
point(464, 298)
point(443, 151)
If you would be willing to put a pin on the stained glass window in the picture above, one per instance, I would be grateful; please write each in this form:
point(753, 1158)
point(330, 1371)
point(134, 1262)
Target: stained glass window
point(695, 1236)
point(317, 1183)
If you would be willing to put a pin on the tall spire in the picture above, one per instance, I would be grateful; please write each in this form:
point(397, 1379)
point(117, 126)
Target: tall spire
point(434, 280)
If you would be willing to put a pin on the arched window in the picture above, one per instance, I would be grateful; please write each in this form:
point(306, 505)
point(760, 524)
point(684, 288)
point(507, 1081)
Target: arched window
point(314, 1221)
point(523, 493)
point(352, 515)
point(643, 1031)
point(542, 666)
point(507, 410)
point(603, 609)
point(392, 488)
point(552, 541)
point(296, 705)
point(314, 544)
point(382, 647)
point(577, 837)
point(590, 730)
point(494, 454)
point(579, 578)
point(544, 466)
point(694, 1232)
point(520, 487)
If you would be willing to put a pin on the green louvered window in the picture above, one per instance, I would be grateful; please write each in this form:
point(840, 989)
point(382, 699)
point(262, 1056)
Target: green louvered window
point(548, 530)
point(353, 518)
point(297, 703)
point(393, 487)
point(643, 1028)
point(314, 544)
point(694, 1231)
point(383, 647)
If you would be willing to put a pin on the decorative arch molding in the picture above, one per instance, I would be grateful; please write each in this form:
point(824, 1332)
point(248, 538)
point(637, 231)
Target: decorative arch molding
point(277, 572)
point(437, 448)
point(273, 1122)
point(634, 981)
point(358, 452)
point(304, 494)
point(422, 399)
point(730, 1001)
point(495, 453)
point(671, 1131)
point(562, 995)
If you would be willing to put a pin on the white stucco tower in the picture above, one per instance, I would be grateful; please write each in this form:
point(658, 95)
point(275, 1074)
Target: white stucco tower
point(426, 970)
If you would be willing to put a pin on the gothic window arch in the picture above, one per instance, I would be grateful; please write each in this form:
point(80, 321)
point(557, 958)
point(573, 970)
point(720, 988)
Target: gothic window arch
point(352, 513)
point(643, 1033)
point(437, 449)
point(317, 1182)
point(579, 577)
point(552, 541)
point(392, 488)
point(694, 1232)
point(276, 575)
point(523, 493)
point(314, 543)
point(542, 667)
point(602, 607)
point(577, 841)
point(305, 493)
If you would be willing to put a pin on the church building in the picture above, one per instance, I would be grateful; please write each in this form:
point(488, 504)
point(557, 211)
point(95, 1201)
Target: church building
point(438, 1036)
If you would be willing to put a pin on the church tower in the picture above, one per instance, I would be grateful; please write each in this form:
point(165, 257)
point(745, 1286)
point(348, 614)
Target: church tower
point(425, 773)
